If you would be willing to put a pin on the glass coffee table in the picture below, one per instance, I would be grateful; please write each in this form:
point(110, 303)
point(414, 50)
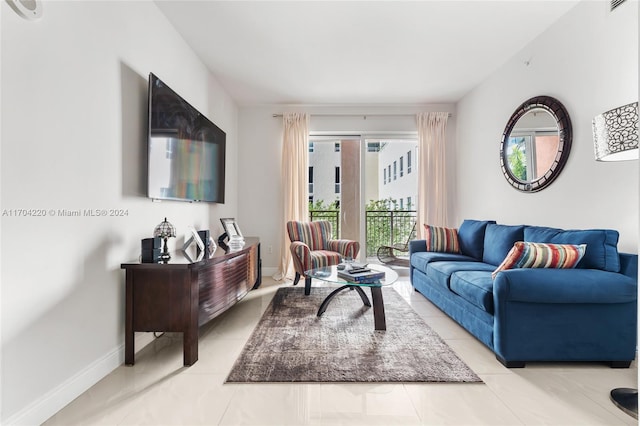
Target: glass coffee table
point(330, 274)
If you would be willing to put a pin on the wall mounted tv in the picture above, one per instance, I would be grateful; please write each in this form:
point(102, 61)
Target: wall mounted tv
point(185, 152)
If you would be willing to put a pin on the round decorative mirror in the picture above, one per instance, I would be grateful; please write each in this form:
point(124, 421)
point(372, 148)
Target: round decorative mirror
point(535, 144)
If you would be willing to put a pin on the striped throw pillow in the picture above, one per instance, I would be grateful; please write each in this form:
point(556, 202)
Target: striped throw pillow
point(542, 255)
point(443, 240)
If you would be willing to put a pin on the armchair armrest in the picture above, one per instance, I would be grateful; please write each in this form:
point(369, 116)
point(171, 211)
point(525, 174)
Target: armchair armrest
point(301, 254)
point(347, 248)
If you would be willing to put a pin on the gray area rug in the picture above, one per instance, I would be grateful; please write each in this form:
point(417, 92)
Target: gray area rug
point(292, 344)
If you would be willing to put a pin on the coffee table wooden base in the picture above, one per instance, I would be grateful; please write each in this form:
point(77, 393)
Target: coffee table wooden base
point(379, 319)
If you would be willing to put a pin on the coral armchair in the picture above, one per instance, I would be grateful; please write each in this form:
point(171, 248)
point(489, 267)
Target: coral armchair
point(312, 247)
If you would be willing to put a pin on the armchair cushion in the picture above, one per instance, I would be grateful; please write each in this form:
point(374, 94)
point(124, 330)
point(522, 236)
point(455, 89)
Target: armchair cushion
point(314, 234)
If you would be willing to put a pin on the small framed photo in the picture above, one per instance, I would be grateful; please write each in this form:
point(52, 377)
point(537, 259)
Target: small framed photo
point(231, 227)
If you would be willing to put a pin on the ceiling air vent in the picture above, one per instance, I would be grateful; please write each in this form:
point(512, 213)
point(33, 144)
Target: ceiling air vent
point(616, 3)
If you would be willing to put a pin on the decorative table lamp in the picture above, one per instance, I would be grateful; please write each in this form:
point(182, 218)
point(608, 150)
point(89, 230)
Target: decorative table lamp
point(615, 137)
point(165, 230)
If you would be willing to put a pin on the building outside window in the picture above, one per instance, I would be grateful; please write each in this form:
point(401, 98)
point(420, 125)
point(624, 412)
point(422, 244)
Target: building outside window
point(395, 171)
point(336, 147)
point(310, 146)
point(384, 174)
point(337, 180)
point(408, 162)
point(401, 166)
point(311, 180)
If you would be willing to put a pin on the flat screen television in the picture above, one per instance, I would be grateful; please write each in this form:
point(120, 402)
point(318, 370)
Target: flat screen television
point(185, 152)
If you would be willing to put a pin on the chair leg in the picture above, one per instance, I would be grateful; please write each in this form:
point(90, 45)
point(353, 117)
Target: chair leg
point(307, 286)
point(295, 281)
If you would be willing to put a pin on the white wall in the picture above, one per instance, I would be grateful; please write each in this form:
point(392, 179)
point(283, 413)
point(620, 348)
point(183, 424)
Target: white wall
point(260, 208)
point(74, 87)
point(589, 61)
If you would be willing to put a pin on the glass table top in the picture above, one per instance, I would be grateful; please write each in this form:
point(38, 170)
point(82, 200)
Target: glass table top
point(330, 274)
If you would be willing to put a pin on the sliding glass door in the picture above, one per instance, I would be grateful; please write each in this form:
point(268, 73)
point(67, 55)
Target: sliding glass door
point(366, 187)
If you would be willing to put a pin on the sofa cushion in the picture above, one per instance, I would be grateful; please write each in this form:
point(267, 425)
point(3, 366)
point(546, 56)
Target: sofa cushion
point(498, 240)
point(421, 259)
point(471, 237)
point(442, 240)
point(542, 255)
point(441, 272)
point(476, 287)
point(602, 244)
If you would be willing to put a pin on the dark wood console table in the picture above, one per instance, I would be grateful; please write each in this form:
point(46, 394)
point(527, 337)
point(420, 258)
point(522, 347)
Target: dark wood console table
point(182, 294)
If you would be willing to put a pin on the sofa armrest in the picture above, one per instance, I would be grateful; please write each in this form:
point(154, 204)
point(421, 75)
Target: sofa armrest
point(629, 265)
point(417, 246)
point(563, 286)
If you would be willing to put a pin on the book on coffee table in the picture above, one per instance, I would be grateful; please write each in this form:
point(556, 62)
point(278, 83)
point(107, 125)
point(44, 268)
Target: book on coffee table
point(362, 277)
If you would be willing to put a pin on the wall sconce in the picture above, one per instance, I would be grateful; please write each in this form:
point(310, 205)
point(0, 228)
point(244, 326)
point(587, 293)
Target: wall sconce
point(615, 134)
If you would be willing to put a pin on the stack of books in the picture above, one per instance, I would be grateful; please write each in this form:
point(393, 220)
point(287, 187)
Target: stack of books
point(360, 274)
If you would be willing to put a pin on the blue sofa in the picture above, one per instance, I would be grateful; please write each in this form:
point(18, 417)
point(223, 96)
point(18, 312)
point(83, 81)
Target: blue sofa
point(588, 313)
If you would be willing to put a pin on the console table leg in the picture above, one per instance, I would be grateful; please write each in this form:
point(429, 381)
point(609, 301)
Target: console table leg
point(190, 347)
point(129, 335)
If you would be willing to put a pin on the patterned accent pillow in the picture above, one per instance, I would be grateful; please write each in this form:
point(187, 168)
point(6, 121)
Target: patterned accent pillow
point(442, 240)
point(541, 255)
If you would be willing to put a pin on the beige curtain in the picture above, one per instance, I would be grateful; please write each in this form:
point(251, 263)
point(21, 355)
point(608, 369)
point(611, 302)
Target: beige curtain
point(432, 170)
point(295, 176)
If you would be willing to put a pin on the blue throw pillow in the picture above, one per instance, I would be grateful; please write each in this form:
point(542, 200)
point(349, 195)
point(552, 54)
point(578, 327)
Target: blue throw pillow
point(602, 244)
point(471, 237)
point(498, 240)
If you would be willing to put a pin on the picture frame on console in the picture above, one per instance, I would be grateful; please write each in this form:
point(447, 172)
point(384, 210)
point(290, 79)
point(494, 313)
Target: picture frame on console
point(231, 227)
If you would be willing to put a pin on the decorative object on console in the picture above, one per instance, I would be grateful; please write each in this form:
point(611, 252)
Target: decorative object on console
point(209, 244)
point(194, 237)
point(615, 134)
point(615, 138)
point(150, 250)
point(236, 242)
point(165, 230)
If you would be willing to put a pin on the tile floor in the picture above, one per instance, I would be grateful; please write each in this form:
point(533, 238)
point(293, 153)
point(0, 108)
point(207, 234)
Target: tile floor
point(158, 390)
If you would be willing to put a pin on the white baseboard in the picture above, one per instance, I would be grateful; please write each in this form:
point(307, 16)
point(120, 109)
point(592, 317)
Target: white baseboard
point(53, 401)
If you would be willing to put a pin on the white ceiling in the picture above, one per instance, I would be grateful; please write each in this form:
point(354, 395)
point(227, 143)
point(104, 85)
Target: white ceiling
point(357, 52)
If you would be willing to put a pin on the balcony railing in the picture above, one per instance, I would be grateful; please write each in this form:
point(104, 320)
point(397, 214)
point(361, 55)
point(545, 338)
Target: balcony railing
point(383, 228)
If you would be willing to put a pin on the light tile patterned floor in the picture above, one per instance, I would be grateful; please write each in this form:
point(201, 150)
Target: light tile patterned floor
point(158, 390)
